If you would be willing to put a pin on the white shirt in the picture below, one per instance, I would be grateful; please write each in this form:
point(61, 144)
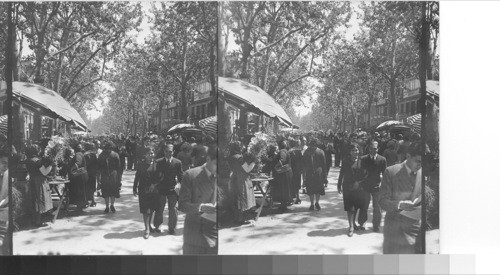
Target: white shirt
point(209, 174)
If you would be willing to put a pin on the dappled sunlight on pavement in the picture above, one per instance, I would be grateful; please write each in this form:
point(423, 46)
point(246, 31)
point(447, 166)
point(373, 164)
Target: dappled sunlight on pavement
point(95, 233)
point(301, 231)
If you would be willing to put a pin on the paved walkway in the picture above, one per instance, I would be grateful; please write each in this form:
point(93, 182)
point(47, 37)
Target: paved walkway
point(301, 231)
point(96, 233)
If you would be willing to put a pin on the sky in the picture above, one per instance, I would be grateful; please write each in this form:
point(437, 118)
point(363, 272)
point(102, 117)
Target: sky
point(141, 36)
point(145, 31)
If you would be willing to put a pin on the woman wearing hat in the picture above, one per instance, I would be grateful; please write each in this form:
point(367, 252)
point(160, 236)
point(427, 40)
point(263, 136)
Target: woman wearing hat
point(109, 167)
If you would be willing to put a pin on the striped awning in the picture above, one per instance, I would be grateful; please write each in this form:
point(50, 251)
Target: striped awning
point(209, 125)
point(3, 124)
point(415, 122)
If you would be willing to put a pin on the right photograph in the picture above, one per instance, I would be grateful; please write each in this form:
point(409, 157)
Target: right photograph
point(328, 127)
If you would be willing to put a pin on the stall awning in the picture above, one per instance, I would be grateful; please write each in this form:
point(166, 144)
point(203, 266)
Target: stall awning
point(254, 96)
point(48, 99)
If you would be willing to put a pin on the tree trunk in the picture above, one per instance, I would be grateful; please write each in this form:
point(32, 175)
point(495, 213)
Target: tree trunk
point(265, 74)
point(134, 121)
point(184, 80)
point(15, 58)
point(370, 102)
point(160, 107)
point(246, 49)
point(393, 104)
point(423, 54)
point(222, 47)
point(183, 114)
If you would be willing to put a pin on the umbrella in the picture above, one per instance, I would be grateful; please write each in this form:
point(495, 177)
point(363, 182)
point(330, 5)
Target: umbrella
point(387, 124)
point(179, 127)
point(191, 132)
point(209, 125)
point(415, 122)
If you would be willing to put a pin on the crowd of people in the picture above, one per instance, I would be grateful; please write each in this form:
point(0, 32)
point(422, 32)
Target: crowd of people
point(377, 168)
point(166, 175)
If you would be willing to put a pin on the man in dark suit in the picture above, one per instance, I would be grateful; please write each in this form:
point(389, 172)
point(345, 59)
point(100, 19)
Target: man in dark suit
point(168, 169)
point(375, 165)
point(399, 195)
point(337, 146)
point(130, 146)
point(197, 199)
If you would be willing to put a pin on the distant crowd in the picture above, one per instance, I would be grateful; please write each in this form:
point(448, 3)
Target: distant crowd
point(369, 171)
point(94, 166)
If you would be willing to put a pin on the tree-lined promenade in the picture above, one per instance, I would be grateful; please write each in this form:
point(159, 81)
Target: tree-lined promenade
point(133, 57)
point(349, 55)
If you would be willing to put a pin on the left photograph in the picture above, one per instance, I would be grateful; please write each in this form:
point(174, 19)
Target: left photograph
point(114, 127)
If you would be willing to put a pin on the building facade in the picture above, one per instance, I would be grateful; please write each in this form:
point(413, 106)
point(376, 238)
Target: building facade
point(407, 103)
point(200, 106)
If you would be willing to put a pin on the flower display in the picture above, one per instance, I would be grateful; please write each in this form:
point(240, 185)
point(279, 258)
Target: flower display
point(55, 149)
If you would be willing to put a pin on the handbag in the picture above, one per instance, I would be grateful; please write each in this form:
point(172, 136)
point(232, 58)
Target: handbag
point(78, 171)
point(153, 187)
point(280, 169)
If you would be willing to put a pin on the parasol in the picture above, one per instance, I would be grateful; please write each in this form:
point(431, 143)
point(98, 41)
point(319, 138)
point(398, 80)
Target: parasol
point(179, 127)
point(388, 124)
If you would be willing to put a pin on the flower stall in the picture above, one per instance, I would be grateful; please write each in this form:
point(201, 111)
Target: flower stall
point(39, 113)
point(250, 109)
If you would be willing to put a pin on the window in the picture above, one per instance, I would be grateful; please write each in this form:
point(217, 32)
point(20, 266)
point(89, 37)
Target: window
point(47, 127)
point(402, 108)
point(385, 110)
point(198, 111)
point(407, 107)
point(28, 124)
point(202, 115)
point(176, 113)
point(192, 111)
point(413, 107)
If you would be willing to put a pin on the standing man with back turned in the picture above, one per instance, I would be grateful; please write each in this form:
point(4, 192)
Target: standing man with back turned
point(400, 196)
point(198, 196)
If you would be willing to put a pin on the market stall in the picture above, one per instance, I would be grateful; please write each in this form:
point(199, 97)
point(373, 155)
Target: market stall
point(39, 112)
point(250, 108)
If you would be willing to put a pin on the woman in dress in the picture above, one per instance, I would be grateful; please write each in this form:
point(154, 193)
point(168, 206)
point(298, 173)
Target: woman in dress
point(314, 164)
point(38, 170)
point(296, 162)
point(92, 167)
point(145, 186)
point(78, 177)
point(282, 172)
point(108, 173)
point(240, 181)
point(328, 158)
point(350, 184)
